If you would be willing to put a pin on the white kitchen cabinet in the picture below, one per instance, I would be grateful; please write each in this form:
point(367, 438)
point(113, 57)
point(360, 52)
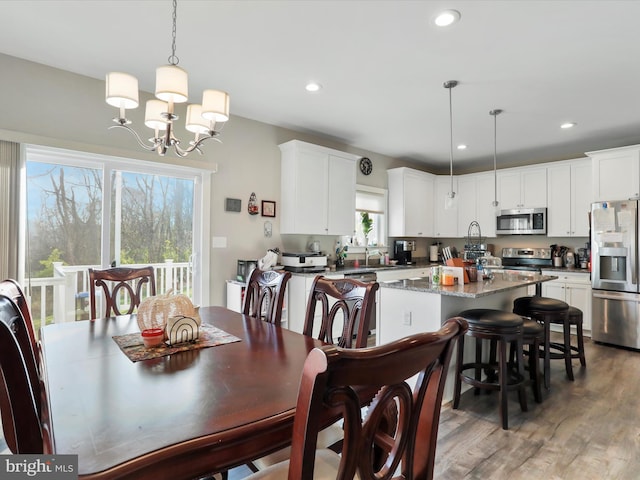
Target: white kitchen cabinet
point(476, 193)
point(573, 288)
point(616, 173)
point(318, 190)
point(569, 198)
point(446, 220)
point(523, 187)
point(411, 211)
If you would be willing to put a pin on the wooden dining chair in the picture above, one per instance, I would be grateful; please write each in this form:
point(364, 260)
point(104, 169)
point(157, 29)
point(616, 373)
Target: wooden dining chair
point(331, 379)
point(264, 294)
point(120, 280)
point(20, 401)
point(346, 304)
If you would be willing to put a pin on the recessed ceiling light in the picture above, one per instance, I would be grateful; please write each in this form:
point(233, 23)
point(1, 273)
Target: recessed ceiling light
point(462, 147)
point(568, 125)
point(446, 18)
point(313, 87)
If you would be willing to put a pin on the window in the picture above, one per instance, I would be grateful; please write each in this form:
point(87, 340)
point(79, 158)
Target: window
point(371, 201)
point(85, 210)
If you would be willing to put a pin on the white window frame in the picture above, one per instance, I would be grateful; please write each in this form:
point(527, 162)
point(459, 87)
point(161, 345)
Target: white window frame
point(201, 207)
point(382, 192)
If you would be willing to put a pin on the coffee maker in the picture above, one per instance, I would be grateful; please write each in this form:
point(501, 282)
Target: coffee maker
point(402, 251)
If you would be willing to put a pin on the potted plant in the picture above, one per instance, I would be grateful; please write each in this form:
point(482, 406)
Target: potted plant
point(367, 226)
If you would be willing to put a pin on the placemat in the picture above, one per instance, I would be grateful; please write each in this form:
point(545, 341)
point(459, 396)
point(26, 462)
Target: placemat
point(210, 336)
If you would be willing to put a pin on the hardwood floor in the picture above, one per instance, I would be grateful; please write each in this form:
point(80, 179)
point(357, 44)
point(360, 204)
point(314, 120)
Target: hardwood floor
point(586, 429)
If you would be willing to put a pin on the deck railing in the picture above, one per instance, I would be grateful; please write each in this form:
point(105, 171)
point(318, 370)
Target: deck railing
point(65, 296)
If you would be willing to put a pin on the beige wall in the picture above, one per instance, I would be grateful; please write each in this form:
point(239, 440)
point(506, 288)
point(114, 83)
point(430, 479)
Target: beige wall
point(47, 106)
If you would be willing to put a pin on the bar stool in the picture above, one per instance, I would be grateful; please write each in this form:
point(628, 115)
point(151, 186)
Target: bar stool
point(547, 311)
point(503, 328)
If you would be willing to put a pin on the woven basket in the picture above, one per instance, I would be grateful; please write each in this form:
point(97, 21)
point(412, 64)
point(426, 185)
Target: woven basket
point(154, 312)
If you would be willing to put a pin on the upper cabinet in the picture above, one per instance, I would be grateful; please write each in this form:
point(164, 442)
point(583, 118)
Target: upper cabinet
point(524, 187)
point(476, 193)
point(570, 197)
point(411, 211)
point(318, 190)
point(446, 219)
point(616, 173)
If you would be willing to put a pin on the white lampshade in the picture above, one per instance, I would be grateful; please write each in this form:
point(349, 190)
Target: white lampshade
point(172, 84)
point(153, 115)
point(215, 105)
point(121, 90)
point(195, 122)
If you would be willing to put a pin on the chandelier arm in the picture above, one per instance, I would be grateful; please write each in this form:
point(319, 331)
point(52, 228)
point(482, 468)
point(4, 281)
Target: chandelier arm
point(151, 148)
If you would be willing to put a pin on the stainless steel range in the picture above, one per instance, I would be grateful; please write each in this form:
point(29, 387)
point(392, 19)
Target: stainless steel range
point(525, 258)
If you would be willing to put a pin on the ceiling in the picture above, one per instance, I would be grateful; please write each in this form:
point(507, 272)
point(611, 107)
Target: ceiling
point(382, 65)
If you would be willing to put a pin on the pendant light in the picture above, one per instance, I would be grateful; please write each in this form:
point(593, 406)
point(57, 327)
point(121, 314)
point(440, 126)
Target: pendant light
point(494, 113)
point(450, 199)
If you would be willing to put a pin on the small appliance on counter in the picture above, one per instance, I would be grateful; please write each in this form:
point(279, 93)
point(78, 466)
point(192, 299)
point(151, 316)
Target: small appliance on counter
point(402, 251)
point(304, 262)
point(245, 267)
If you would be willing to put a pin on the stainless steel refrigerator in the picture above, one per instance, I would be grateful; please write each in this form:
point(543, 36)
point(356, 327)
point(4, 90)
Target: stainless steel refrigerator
point(614, 273)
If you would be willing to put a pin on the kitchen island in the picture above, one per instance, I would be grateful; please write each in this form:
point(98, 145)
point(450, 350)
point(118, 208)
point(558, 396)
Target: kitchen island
point(416, 305)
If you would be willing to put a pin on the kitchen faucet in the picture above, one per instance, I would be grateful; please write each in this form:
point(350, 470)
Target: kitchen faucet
point(368, 254)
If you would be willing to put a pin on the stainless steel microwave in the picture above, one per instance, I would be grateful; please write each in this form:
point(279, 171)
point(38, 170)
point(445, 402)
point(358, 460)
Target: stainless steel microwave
point(522, 221)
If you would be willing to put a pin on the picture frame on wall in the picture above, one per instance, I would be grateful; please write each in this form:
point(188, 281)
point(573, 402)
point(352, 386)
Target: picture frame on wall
point(268, 208)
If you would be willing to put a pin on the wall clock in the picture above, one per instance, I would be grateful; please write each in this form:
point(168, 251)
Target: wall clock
point(366, 167)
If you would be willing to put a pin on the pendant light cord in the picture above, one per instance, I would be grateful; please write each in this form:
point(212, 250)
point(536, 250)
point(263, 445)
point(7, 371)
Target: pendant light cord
point(173, 59)
point(449, 85)
point(494, 114)
point(451, 139)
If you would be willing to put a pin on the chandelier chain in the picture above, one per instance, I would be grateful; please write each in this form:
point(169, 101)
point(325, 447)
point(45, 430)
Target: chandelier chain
point(173, 59)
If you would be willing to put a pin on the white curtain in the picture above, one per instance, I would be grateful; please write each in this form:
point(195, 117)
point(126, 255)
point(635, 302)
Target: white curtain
point(9, 208)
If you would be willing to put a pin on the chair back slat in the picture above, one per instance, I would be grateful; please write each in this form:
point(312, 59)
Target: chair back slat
point(115, 281)
point(334, 379)
point(345, 303)
point(264, 295)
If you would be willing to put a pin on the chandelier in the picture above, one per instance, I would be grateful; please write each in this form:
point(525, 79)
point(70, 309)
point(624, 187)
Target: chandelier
point(204, 120)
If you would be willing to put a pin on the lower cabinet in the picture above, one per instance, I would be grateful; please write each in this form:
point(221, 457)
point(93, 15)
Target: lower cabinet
point(573, 288)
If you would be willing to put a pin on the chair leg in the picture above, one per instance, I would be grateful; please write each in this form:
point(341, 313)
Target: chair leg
point(478, 370)
point(534, 370)
point(503, 380)
point(567, 349)
point(458, 382)
point(522, 394)
point(583, 360)
point(547, 355)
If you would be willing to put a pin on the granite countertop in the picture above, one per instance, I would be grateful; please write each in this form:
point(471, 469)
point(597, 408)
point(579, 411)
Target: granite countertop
point(502, 281)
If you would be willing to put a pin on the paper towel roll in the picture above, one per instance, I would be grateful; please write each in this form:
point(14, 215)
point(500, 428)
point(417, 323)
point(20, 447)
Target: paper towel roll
point(433, 253)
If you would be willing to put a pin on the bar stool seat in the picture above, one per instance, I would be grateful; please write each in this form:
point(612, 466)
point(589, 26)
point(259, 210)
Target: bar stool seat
point(505, 330)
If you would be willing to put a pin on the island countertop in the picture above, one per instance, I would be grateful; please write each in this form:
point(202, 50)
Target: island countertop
point(501, 282)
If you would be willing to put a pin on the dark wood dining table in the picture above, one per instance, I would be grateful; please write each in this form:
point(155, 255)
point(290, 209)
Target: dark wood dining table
point(178, 416)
